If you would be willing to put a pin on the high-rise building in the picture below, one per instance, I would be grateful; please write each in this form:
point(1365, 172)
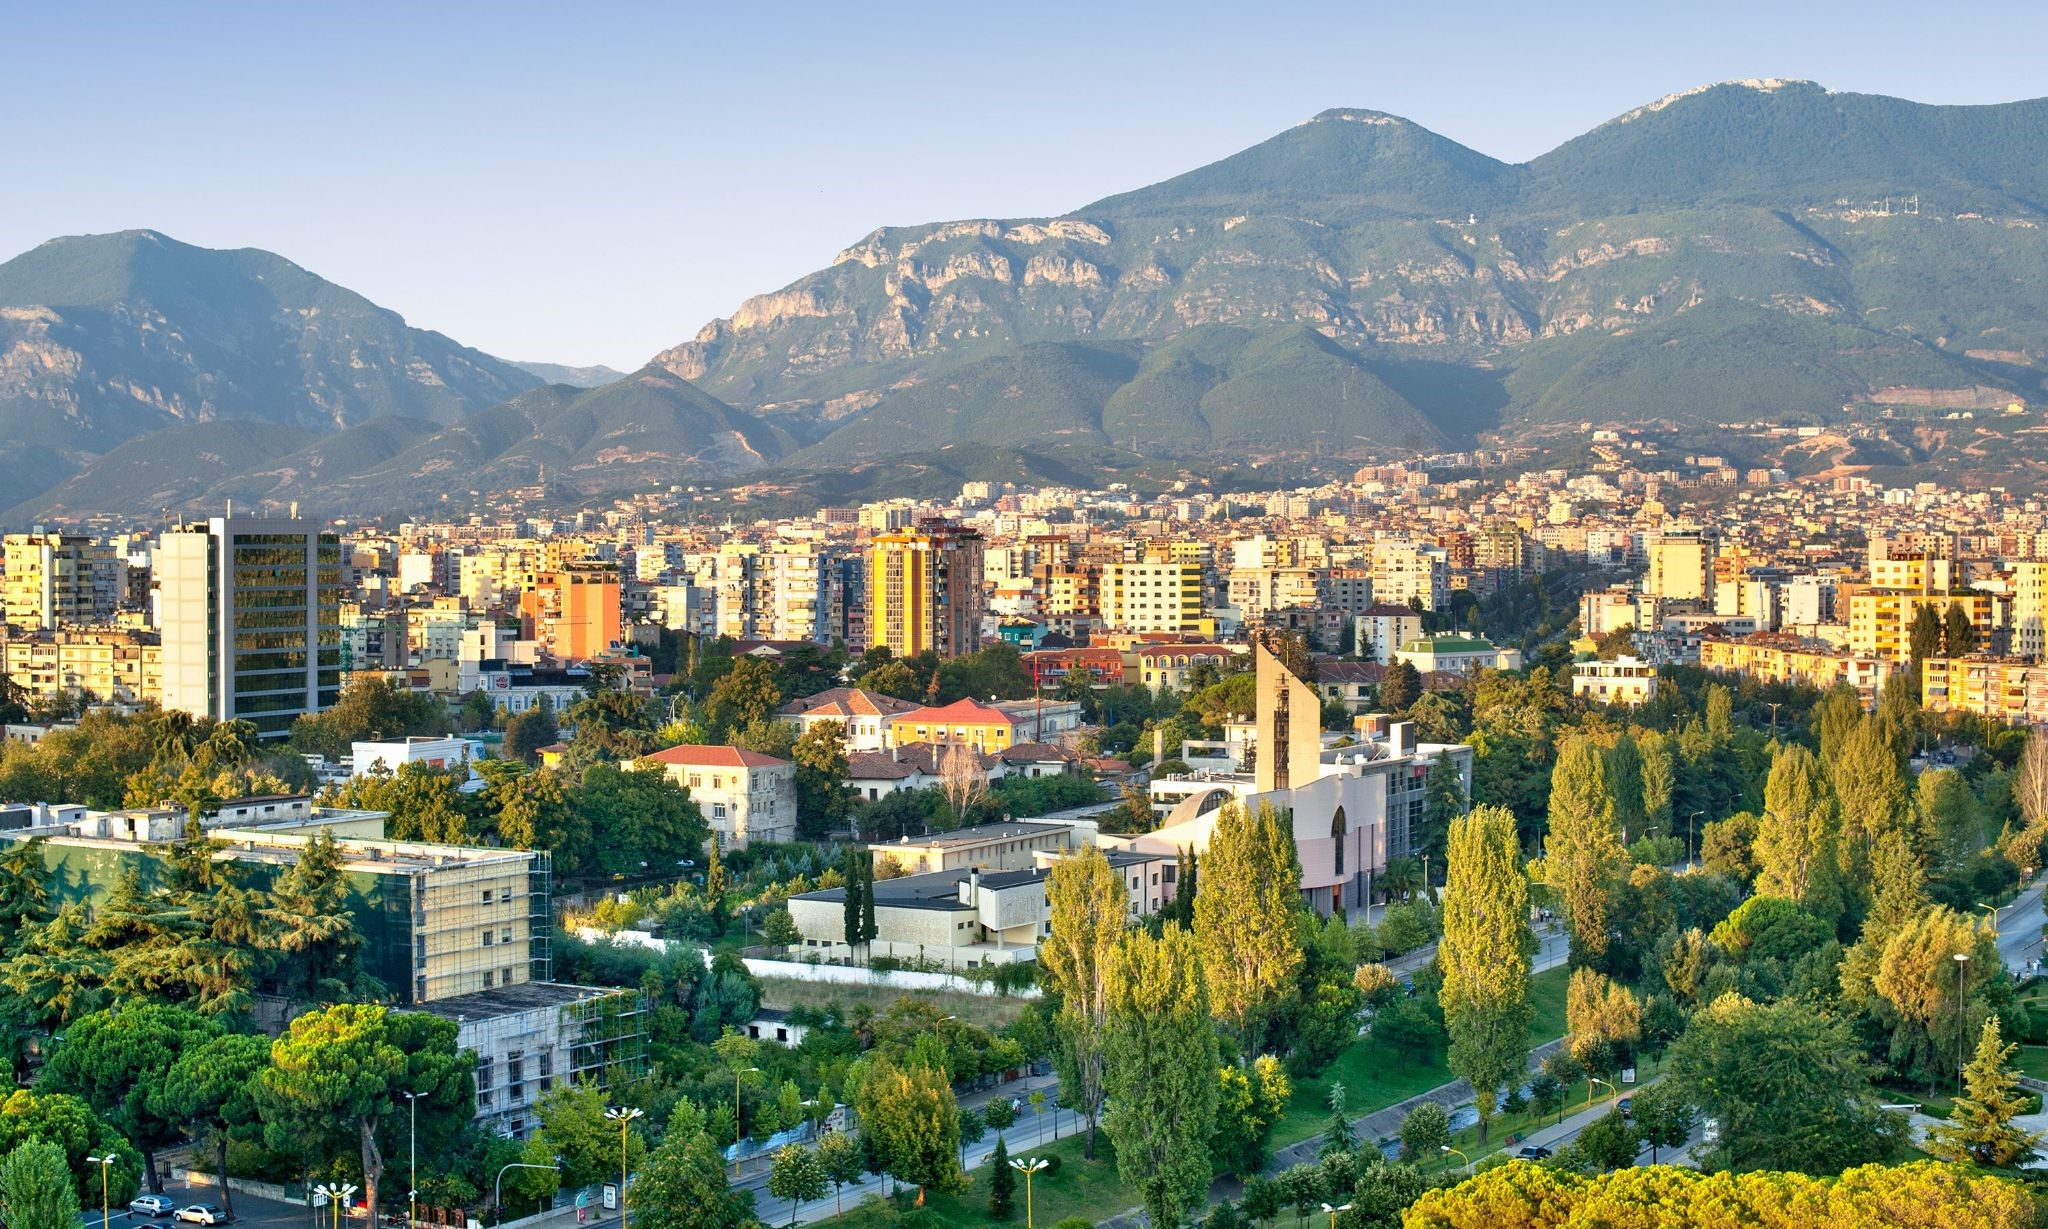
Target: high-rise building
point(59, 579)
point(924, 588)
point(248, 611)
point(1681, 566)
point(575, 609)
point(1153, 597)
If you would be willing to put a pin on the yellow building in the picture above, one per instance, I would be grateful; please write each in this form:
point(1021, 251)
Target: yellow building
point(106, 664)
point(1152, 597)
point(924, 590)
point(1881, 620)
point(1775, 657)
point(55, 580)
point(1681, 566)
point(2005, 688)
point(981, 726)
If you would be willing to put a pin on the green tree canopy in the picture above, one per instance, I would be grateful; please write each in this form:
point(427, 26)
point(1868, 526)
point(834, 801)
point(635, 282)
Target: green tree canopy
point(1159, 1047)
point(1485, 955)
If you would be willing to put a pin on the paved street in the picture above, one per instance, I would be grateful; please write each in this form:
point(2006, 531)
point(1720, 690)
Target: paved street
point(2019, 928)
point(250, 1211)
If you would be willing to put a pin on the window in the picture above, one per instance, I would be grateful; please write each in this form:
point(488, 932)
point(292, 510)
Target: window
point(718, 810)
point(490, 937)
point(488, 979)
point(487, 896)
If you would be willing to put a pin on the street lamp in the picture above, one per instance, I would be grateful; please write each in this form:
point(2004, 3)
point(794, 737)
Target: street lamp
point(412, 1197)
point(106, 1205)
point(1027, 1167)
point(337, 1196)
point(498, 1186)
point(1333, 1213)
point(737, 1073)
point(624, 1116)
point(1592, 1080)
point(1688, 836)
point(1962, 966)
point(1447, 1149)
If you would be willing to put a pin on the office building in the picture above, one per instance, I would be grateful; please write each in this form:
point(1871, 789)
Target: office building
point(247, 612)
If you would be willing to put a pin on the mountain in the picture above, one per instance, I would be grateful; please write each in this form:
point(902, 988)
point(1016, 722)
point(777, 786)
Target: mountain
point(647, 429)
point(575, 377)
point(104, 338)
point(1358, 284)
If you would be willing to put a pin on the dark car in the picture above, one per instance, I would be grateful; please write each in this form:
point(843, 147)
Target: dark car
point(1534, 1152)
point(1626, 1105)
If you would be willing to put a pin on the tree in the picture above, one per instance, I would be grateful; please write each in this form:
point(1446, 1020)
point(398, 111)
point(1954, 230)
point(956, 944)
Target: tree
point(527, 732)
point(1625, 787)
point(210, 1091)
point(683, 1185)
point(36, 1190)
point(1002, 1181)
point(1789, 1086)
point(1158, 1049)
point(840, 1155)
point(1244, 920)
point(644, 817)
point(778, 929)
point(336, 1074)
point(1918, 975)
point(1795, 836)
point(1584, 855)
point(1979, 1126)
point(1602, 1018)
point(1958, 633)
point(1443, 800)
point(1951, 825)
point(1870, 784)
point(1485, 956)
point(118, 1062)
point(1546, 1094)
point(1088, 905)
point(914, 1124)
point(1662, 1118)
point(745, 695)
point(823, 800)
point(313, 931)
point(370, 708)
point(1249, 1103)
point(573, 1129)
point(1338, 1135)
point(962, 779)
point(1399, 686)
point(796, 1176)
point(856, 868)
point(1608, 1142)
point(1425, 1129)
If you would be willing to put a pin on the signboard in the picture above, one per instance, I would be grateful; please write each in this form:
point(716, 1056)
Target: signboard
point(610, 1198)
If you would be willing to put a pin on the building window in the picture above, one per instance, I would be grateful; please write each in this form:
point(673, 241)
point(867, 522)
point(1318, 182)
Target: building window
point(487, 979)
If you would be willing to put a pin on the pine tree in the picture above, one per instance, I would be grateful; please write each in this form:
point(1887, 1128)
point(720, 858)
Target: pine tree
point(1337, 1133)
point(1583, 854)
point(1485, 956)
point(35, 1187)
point(1244, 921)
point(1159, 1056)
point(1979, 1126)
point(1002, 1181)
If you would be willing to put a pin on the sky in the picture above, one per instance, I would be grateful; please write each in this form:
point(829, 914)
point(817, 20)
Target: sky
point(591, 183)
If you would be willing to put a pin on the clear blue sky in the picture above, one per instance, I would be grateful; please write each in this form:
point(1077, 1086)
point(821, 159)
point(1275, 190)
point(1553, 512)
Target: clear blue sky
point(589, 183)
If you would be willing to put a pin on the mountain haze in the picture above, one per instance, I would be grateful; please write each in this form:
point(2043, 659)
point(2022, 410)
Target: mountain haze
point(1354, 286)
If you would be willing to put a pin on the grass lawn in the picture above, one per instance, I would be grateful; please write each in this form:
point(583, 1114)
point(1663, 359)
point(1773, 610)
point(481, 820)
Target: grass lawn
point(2032, 1060)
point(990, 1012)
point(1375, 1077)
point(1078, 1188)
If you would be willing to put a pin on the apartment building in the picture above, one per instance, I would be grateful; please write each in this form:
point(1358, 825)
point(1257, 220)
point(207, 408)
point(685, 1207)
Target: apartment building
point(1153, 597)
point(1625, 680)
point(104, 664)
point(1779, 657)
point(55, 580)
point(745, 796)
point(924, 589)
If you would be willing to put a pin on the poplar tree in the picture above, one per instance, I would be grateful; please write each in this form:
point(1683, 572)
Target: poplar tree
point(1244, 921)
point(1795, 837)
point(1950, 830)
point(1159, 1051)
point(1870, 786)
point(1088, 906)
point(1583, 855)
point(1625, 787)
point(1485, 956)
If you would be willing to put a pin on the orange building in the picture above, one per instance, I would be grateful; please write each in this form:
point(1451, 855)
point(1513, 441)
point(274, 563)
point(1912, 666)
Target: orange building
point(575, 611)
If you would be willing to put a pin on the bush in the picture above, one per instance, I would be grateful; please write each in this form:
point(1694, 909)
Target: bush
point(1073, 1222)
point(1658, 851)
point(1052, 1165)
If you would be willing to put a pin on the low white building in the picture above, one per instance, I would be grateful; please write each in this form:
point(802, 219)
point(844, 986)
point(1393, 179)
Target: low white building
point(745, 796)
point(1625, 680)
point(864, 715)
point(390, 755)
point(1452, 654)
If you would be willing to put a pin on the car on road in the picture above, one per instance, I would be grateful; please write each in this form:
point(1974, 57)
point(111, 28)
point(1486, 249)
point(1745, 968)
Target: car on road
point(1534, 1152)
point(202, 1214)
point(1627, 1106)
point(152, 1224)
point(151, 1205)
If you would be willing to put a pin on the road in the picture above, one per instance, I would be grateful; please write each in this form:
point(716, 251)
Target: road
point(2019, 928)
point(250, 1211)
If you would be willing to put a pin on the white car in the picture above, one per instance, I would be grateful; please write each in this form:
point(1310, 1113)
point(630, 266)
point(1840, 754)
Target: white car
point(151, 1205)
point(202, 1214)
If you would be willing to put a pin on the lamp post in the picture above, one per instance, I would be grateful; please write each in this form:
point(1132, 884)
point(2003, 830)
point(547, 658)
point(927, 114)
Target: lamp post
point(1688, 836)
point(337, 1194)
point(1962, 966)
point(624, 1116)
point(412, 1197)
point(736, 1136)
point(498, 1186)
point(1447, 1149)
point(1027, 1167)
point(1333, 1213)
point(1592, 1080)
point(106, 1204)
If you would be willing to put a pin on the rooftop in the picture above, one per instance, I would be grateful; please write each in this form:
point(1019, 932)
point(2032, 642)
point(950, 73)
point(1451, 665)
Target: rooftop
point(700, 755)
point(979, 834)
point(512, 1000)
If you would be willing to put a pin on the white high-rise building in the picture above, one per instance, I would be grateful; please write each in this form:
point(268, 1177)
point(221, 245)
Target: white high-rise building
point(248, 612)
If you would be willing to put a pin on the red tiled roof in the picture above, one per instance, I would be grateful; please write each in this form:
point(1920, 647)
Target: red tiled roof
point(699, 755)
point(846, 702)
point(968, 711)
point(1188, 650)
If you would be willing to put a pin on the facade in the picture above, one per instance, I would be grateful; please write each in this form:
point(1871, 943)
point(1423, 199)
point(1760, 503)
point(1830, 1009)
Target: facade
point(1881, 620)
point(57, 580)
point(247, 612)
point(1627, 681)
point(1457, 655)
point(105, 664)
point(924, 590)
point(451, 754)
point(863, 714)
point(1153, 597)
point(1778, 657)
point(1384, 628)
point(1169, 665)
point(2006, 689)
point(1681, 566)
point(745, 796)
point(575, 610)
point(988, 847)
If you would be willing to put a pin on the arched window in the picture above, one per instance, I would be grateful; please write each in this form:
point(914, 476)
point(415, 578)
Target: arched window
point(1337, 831)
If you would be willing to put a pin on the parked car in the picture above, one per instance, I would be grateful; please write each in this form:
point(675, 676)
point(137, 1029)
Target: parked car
point(202, 1214)
point(151, 1205)
point(1534, 1152)
point(1627, 1105)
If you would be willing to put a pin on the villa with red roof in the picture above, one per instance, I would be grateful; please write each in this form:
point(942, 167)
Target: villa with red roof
point(864, 714)
point(745, 796)
point(981, 726)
